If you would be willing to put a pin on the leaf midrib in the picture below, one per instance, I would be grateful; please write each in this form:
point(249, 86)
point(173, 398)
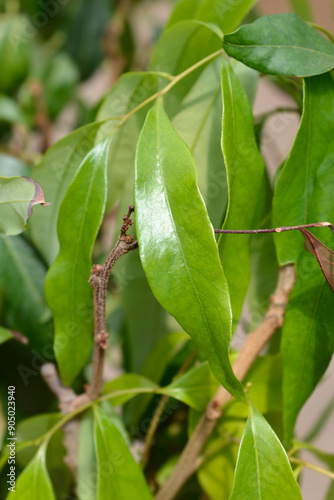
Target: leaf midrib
point(178, 240)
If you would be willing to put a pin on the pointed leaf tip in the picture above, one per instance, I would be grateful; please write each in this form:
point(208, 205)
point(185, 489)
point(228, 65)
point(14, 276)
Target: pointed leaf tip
point(323, 254)
point(17, 197)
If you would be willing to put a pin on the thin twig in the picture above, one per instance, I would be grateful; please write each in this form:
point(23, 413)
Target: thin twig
point(65, 396)
point(275, 229)
point(314, 467)
point(253, 345)
point(321, 28)
point(160, 409)
point(99, 282)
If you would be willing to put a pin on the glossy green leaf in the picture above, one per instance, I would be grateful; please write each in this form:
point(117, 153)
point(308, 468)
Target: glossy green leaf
point(129, 92)
point(302, 195)
point(181, 46)
point(67, 290)
point(195, 388)
point(18, 195)
point(246, 177)
point(116, 464)
point(22, 277)
point(302, 8)
point(177, 246)
point(34, 482)
point(307, 338)
point(15, 50)
point(87, 467)
point(282, 44)
point(128, 381)
point(55, 173)
point(263, 469)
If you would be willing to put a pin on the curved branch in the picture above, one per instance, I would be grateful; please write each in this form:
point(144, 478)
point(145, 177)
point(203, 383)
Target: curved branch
point(253, 345)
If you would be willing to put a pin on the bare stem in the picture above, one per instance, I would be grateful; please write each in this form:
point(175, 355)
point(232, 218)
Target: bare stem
point(99, 282)
point(253, 345)
point(160, 409)
point(314, 467)
point(275, 229)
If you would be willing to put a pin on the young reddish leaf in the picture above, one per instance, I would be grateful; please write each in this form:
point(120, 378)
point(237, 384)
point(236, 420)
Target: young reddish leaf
point(324, 255)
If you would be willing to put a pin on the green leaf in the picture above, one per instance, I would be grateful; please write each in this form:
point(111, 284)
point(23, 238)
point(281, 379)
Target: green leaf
point(302, 195)
point(219, 458)
point(87, 467)
point(282, 44)
point(183, 10)
point(59, 77)
point(177, 245)
point(155, 366)
point(128, 381)
point(10, 166)
point(55, 173)
point(162, 354)
point(228, 15)
point(9, 111)
point(5, 334)
point(245, 174)
point(307, 338)
point(22, 277)
point(144, 318)
point(198, 122)
point(265, 376)
point(129, 92)
point(32, 428)
point(178, 48)
point(116, 464)
point(18, 195)
point(221, 12)
point(66, 286)
point(15, 50)
point(34, 482)
point(195, 388)
point(263, 469)
point(302, 8)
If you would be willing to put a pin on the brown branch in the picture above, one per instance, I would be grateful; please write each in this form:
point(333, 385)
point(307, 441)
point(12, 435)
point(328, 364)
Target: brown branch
point(66, 396)
point(99, 282)
point(253, 345)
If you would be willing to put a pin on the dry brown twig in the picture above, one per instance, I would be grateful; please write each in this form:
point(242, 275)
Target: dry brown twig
point(68, 399)
point(253, 345)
